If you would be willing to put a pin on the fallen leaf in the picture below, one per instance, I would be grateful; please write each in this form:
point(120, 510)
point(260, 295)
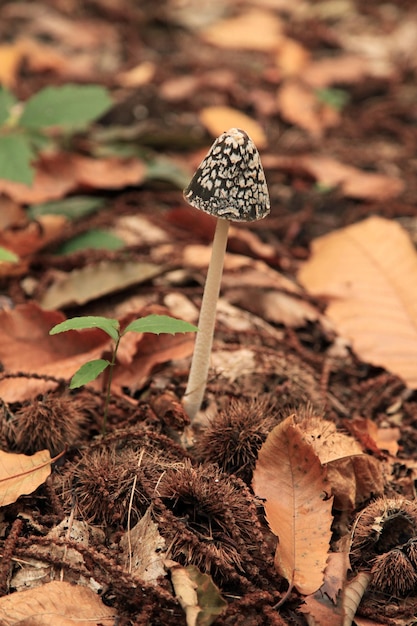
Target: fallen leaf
point(21, 474)
point(340, 70)
point(94, 281)
point(218, 119)
point(354, 183)
point(299, 105)
point(10, 60)
point(56, 176)
point(292, 58)
point(366, 272)
point(34, 235)
point(139, 75)
point(143, 548)
point(197, 594)
point(290, 477)
point(56, 603)
point(252, 30)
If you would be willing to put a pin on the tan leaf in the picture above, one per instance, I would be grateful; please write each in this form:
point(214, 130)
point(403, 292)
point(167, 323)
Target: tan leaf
point(353, 182)
point(94, 281)
point(10, 60)
point(299, 105)
point(139, 75)
point(290, 477)
point(344, 69)
point(55, 603)
point(253, 30)
point(217, 119)
point(143, 548)
point(367, 272)
point(292, 57)
point(21, 474)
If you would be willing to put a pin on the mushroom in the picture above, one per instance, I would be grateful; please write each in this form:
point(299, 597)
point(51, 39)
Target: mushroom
point(230, 185)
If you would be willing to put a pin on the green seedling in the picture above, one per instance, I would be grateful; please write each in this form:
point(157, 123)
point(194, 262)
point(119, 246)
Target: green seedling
point(89, 371)
point(50, 116)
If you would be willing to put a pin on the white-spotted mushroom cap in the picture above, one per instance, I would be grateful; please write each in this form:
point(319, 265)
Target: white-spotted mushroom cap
point(230, 182)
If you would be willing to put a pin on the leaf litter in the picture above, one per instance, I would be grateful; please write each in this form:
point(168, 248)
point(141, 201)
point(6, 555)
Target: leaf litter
point(314, 336)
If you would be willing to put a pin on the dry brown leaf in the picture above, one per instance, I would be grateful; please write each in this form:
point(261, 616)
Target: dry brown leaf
point(56, 176)
point(353, 182)
point(21, 474)
point(139, 75)
point(143, 549)
point(292, 58)
point(299, 105)
point(26, 346)
point(367, 272)
point(253, 30)
point(94, 281)
point(344, 69)
point(55, 604)
point(35, 235)
point(218, 119)
point(290, 477)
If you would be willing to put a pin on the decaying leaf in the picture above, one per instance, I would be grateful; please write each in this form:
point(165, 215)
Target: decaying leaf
point(293, 482)
point(197, 594)
point(367, 272)
point(94, 281)
point(21, 474)
point(143, 548)
point(55, 603)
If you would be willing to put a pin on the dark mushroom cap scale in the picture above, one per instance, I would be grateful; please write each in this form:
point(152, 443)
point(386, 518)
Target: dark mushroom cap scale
point(230, 182)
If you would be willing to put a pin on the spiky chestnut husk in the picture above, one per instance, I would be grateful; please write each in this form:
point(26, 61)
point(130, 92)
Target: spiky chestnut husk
point(210, 520)
point(234, 436)
point(101, 481)
point(383, 542)
point(52, 422)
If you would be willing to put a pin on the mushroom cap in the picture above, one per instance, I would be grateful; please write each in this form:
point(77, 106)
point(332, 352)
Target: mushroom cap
point(230, 182)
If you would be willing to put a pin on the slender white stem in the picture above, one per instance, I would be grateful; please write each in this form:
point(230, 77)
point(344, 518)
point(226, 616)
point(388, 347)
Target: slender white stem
point(204, 339)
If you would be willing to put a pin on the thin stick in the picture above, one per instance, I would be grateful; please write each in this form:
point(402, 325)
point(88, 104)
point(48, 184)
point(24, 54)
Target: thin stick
point(201, 358)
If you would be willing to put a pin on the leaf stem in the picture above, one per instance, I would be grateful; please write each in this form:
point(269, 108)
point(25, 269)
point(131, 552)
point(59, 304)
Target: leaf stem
point(108, 388)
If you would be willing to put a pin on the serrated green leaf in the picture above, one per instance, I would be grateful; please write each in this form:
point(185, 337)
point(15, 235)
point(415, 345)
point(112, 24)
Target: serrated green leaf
point(88, 372)
point(73, 208)
point(158, 324)
point(93, 239)
point(15, 157)
point(69, 106)
point(110, 326)
point(7, 100)
point(6, 255)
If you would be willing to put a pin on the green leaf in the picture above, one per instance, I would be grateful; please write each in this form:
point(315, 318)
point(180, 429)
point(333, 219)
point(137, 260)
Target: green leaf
point(93, 239)
point(73, 208)
point(88, 372)
point(70, 106)
point(7, 100)
point(15, 157)
point(165, 169)
point(336, 98)
point(110, 326)
point(159, 324)
point(6, 255)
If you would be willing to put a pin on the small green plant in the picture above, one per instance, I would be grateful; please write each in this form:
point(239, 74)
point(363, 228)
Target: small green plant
point(89, 371)
point(25, 127)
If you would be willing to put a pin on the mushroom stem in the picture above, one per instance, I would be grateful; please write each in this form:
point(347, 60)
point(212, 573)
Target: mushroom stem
point(204, 339)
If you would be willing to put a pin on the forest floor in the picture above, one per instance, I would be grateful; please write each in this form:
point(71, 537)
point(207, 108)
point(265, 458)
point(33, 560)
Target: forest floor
point(159, 521)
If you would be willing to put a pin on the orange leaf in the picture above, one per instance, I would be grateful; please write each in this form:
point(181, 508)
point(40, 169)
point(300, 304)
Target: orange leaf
point(56, 604)
point(368, 271)
point(253, 30)
point(21, 474)
point(217, 119)
point(291, 478)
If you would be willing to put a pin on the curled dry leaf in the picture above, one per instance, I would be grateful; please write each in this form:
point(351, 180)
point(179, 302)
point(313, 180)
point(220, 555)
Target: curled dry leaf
point(56, 603)
point(21, 474)
point(293, 482)
point(143, 550)
point(367, 272)
point(34, 235)
point(217, 118)
point(353, 595)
